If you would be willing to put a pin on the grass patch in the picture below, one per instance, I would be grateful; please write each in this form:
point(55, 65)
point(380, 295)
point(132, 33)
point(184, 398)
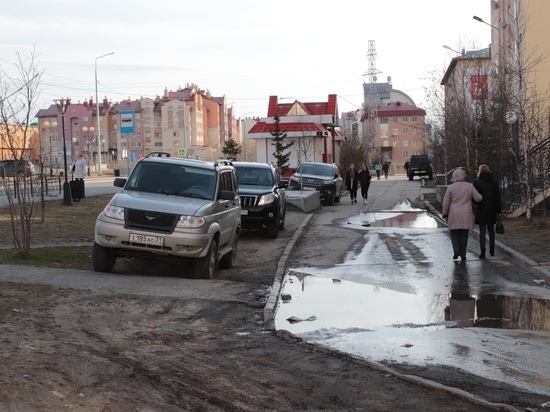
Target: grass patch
point(64, 226)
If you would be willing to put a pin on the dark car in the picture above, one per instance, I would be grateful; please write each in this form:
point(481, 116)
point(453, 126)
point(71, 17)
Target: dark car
point(420, 166)
point(324, 177)
point(263, 197)
point(9, 168)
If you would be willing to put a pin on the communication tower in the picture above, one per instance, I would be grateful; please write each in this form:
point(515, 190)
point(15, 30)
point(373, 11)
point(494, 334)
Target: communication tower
point(372, 103)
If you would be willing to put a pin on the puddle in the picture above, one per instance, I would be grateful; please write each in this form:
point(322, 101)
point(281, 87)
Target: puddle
point(335, 303)
point(400, 216)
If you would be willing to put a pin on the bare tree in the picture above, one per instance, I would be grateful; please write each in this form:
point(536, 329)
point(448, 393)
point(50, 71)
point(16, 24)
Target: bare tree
point(18, 97)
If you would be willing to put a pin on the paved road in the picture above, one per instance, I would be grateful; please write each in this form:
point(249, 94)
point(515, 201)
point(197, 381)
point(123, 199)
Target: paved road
point(383, 290)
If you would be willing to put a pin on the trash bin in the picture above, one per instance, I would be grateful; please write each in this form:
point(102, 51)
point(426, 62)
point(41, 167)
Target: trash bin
point(440, 180)
point(117, 172)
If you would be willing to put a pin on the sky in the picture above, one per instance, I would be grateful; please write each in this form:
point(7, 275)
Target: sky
point(246, 50)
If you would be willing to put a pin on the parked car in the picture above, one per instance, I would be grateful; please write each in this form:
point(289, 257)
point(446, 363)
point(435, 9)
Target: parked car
point(172, 208)
point(324, 177)
point(420, 166)
point(9, 168)
point(263, 197)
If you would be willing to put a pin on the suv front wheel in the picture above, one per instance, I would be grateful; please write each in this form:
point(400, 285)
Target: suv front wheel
point(103, 258)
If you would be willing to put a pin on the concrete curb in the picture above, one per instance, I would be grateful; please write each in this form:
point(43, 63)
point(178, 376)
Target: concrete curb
point(270, 307)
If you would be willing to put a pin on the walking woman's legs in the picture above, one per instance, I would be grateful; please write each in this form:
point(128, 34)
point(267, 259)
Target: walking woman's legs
point(482, 240)
point(464, 233)
point(455, 241)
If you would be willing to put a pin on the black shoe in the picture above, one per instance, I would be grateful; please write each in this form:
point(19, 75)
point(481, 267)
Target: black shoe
point(455, 256)
point(463, 257)
point(482, 255)
point(492, 252)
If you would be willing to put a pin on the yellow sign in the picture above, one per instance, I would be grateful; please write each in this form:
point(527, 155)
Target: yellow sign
point(182, 152)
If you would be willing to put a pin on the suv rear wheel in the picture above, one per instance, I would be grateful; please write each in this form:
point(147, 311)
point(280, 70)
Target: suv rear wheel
point(204, 267)
point(229, 259)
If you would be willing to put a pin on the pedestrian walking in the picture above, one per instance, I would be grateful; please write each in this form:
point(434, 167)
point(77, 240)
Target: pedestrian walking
point(386, 169)
point(79, 171)
point(458, 211)
point(488, 210)
point(364, 180)
point(406, 166)
point(378, 169)
point(351, 182)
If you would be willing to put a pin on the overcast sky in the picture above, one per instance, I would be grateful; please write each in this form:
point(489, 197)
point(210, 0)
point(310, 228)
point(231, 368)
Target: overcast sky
point(246, 50)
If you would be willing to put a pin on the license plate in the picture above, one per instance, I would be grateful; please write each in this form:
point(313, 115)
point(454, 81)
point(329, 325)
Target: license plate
point(244, 212)
point(312, 189)
point(146, 239)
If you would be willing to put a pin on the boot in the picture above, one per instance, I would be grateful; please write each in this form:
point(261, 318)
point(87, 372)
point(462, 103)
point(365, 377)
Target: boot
point(492, 251)
point(482, 255)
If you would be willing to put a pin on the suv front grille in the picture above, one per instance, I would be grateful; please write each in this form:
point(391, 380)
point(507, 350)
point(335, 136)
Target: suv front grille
point(145, 219)
point(248, 201)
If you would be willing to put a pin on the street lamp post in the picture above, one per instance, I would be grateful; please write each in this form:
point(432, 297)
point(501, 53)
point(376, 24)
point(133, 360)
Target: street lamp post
point(62, 105)
point(97, 108)
point(73, 149)
point(50, 134)
point(87, 139)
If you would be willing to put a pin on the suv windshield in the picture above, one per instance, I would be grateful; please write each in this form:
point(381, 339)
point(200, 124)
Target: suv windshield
point(254, 176)
point(173, 179)
point(317, 169)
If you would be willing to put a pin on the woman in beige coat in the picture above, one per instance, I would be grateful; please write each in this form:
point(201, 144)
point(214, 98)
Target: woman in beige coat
point(458, 211)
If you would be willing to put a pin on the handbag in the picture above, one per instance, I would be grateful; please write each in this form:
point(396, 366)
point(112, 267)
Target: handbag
point(499, 227)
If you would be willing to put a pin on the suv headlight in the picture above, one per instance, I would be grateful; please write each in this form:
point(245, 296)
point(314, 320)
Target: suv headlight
point(114, 212)
point(191, 222)
point(266, 199)
point(328, 182)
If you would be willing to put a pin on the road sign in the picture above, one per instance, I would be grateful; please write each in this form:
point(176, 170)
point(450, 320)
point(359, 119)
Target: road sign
point(182, 153)
point(127, 121)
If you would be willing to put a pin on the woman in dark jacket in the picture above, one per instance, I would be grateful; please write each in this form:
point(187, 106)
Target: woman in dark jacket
point(364, 181)
point(351, 182)
point(488, 209)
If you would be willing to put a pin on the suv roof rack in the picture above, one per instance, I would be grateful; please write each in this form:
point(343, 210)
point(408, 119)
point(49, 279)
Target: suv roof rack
point(157, 154)
point(224, 162)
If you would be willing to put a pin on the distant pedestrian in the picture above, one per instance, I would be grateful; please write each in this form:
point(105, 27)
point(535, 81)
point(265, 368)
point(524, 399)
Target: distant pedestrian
point(351, 182)
point(489, 209)
point(364, 181)
point(406, 166)
point(378, 169)
point(386, 169)
point(79, 171)
point(458, 211)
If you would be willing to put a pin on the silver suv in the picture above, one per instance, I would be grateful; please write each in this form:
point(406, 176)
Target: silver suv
point(172, 208)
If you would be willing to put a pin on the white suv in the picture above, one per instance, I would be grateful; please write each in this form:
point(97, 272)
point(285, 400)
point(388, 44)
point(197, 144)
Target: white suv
point(172, 208)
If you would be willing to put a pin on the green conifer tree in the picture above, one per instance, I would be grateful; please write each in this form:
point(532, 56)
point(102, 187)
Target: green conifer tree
point(231, 149)
point(281, 153)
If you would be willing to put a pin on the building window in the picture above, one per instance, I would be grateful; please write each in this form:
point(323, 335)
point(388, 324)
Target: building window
point(158, 144)
point(396, 143)
point(176, 143)
point(383, 120)
point(147, 120)
point(157, 135)
point(414, 119)
point(414, 142)
point(138, 115)
point(405, 130)
point(415, 130)
point(175, 134)
point(395, 132)
point(404, 119)
point(405, 155)
point(405, 143)
point(147, 110)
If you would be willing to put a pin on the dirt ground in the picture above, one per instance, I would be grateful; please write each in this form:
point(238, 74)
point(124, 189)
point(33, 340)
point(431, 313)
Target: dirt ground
point(69, 349)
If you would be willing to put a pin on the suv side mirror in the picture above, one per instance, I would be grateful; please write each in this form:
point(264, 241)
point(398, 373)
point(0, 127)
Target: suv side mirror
point(226, 195)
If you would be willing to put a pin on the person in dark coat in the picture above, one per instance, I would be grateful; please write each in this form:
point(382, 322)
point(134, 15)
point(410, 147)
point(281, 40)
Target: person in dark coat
point(489, 209)
point(351, 182)
point(364, 180)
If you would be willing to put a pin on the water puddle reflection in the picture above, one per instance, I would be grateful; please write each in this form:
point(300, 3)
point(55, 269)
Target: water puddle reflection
point(334, 303)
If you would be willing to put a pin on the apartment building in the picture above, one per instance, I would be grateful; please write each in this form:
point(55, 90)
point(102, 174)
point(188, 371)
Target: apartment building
point(188, 122)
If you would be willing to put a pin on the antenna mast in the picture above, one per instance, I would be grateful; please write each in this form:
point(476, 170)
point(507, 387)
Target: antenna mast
point(371, 106)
